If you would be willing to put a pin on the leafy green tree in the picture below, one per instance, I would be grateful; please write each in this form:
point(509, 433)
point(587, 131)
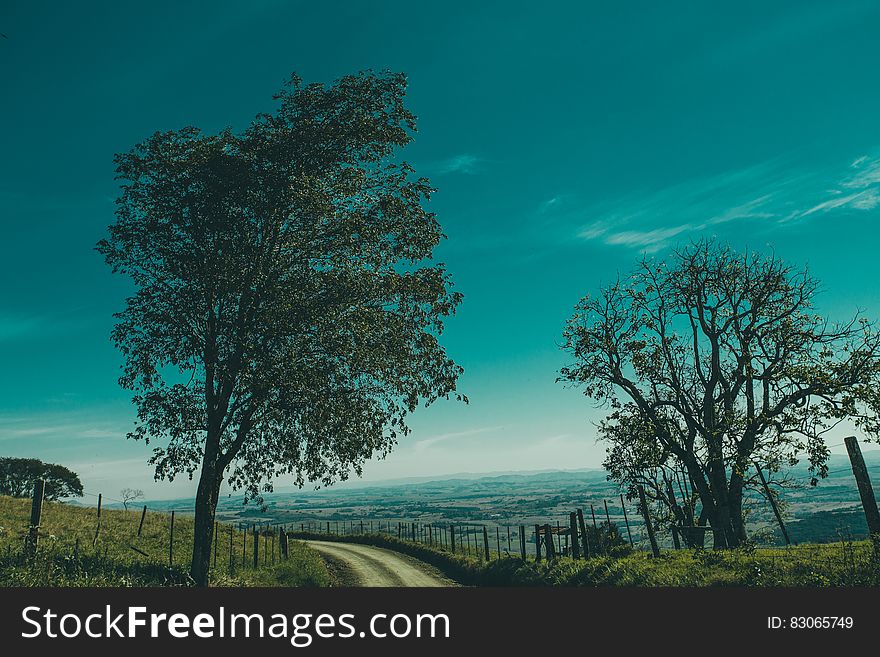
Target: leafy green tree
point(714, 361)
point(286, 311)
point(17, 477)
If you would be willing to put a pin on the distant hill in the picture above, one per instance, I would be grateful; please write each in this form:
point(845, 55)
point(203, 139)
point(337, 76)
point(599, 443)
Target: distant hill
point(822, 513)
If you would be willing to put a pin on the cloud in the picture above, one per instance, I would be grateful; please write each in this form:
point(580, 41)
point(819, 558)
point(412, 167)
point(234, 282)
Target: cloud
point(464, 163)
point(427, 443)
point(774, 193)
point(66, 426)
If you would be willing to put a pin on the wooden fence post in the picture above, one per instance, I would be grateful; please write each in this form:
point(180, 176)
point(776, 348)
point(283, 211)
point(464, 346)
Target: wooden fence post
point(572, 528)
point(626, 521)
point(599, 535)
point(508, 539)
point(644, 504)
point(498, 540)
point(452, 537)
point(231, 553)
point(866, 491)
point(486, 542)
point(256, 546)
point(285, 547)
point(98, 526)
point(33, 536)
point(548, 542)
point(141, 525)
point(586, 538)
point(538, 543)
point(522, 541)
point(171, 541)
point(216, 538)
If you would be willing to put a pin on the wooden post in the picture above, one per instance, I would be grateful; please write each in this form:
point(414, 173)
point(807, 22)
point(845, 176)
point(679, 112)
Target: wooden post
point(285, 547)
point(607, 515)
point(772, 500)
point(572, 528)
point(243, 547)
point(266, 545)
point(585, 537)
point(36, 516)
point(558, 546)
point(548, 542)
point(866, 491)
point(328, 526)
point(498, 540)
point(171, 541)
point(141, 525)
point(538, 543)
point(508, 539)
point(599, 535)
point(273, 547)
point(231, 552)
point(98, 526)
point(674, 504)
point(644, 504)
point(399, 530)
point(452, 538)
point(216, 539)
point(486, 542)
point(522, 541)
point(626, 521)
point(256, 547)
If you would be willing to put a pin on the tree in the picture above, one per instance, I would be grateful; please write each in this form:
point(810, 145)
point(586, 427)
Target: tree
point(286, 318)
point(714, 361)
point(130, 495)
point(17, 477)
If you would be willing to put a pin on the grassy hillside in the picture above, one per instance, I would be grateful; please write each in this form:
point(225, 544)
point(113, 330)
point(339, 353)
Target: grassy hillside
point(68, 554)
point(840, 564)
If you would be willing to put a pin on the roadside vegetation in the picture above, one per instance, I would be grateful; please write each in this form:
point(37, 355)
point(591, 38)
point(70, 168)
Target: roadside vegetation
point(847, 563)
point(68, 554)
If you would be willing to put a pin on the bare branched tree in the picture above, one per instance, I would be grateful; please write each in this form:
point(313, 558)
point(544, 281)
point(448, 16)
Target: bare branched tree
point(713, 361)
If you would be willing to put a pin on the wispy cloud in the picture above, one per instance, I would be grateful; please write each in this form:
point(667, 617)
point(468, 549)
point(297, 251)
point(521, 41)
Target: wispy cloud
point(427, 443)
point(465, 163)
point(62, 426)
point(772, 193)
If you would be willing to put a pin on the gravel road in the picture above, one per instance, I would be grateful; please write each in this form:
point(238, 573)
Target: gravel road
point(365, 565)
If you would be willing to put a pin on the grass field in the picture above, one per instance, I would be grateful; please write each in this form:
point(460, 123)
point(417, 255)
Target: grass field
point(848, 563)
point(68, 554)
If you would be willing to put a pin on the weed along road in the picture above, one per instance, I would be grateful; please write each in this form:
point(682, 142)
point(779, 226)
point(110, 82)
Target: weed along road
point(365, 565)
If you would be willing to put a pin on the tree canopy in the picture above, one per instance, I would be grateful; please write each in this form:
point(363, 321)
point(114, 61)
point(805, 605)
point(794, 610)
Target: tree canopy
point(287, 309)
point(17, 477)
point(713, 363)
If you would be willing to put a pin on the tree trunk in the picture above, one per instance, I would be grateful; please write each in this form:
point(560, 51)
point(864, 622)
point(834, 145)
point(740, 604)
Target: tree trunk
point(735, 501)
point(208, 492)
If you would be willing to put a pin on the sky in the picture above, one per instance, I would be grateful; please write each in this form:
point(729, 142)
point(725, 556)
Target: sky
point(565, 139)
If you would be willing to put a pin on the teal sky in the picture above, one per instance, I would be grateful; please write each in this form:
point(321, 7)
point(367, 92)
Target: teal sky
point(565, 139)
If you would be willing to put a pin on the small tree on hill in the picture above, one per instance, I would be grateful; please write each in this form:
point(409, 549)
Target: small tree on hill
point(17, 477)
point(130, 495)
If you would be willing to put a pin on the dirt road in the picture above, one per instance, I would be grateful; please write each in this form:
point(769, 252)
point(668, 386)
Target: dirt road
point(365, 565)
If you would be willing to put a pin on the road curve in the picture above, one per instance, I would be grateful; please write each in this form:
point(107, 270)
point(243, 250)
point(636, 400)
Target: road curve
point(373, 566)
